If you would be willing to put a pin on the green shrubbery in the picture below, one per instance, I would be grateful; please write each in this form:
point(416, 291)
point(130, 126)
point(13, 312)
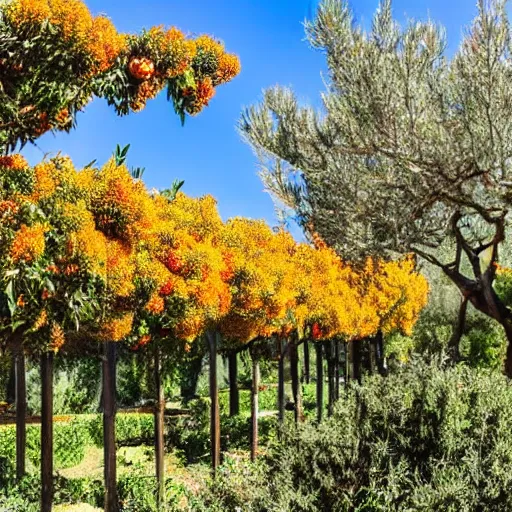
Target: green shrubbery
point(423, 439)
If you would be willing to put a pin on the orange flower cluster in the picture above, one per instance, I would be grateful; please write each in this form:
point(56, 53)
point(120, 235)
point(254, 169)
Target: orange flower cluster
point(29, 243)
point(97, 36)
point(15, 162)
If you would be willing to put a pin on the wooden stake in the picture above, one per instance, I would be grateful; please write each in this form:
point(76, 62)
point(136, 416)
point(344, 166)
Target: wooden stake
point(159, 430)
point(46, 431)
point(214, 399)
point(21, 413)
point(109, 426)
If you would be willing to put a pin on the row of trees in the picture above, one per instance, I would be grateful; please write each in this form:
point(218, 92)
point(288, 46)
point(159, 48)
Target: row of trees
point(93, 256)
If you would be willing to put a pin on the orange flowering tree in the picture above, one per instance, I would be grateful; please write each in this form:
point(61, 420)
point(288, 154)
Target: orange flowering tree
point(52, 266)
point(261, 287)
point(55, 56)
point(53, 272)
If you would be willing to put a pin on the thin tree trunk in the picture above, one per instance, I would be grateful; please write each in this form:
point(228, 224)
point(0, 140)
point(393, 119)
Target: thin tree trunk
point(319, 382)
point(356, 360)
point(109, 426)
point(347, 364)
point(379, 353)
point(454, 344)
point(371, 355)
point(336, 369)
point(159, 430)
point(330, 377)
point(297, 395)
point(280, 382)
point(306, 362)
point(214, 399)
point(46, 431)
point(234, 396)
point(21, 414)
point(254, 406)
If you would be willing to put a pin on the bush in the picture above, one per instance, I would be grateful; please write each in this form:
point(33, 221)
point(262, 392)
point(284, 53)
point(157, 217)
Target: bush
point(69, 441)
point(420, 440)
point(130, 429)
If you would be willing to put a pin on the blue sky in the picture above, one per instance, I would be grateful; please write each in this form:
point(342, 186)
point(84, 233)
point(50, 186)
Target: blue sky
point(208, 153)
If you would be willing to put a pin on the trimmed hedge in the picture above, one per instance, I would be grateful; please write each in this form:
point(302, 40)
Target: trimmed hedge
point(130, 429)
point(70, 440)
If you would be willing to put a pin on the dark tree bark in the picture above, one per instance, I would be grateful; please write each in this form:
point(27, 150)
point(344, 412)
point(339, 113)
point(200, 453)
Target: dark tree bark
point(458, 331)
point(159, 430)
point(297, 395)
point(280, 381)
point(254, 406)
point(347, 363)
point(336, 369)
point(109, 426)
point(329, 352)
point(306, 362)
point(319, 382)
point(21, 414)
point(46, 431)
point(379, 353)
point(214, 399)
point(371, 355)
point(356, 360)
point(234, 396)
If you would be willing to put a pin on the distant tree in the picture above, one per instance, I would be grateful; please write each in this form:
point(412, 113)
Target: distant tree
point(412, 149)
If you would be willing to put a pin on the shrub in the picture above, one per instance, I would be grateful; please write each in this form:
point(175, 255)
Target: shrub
point(69, 442)
point(130, 429)
point(423, 439)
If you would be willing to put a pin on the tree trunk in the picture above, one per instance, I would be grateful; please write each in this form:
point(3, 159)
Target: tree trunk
point(371, 355)
point(319, 382)
point(336, 369)
point(297, 395)
point(46, 431)
point(214, 400)
point(234, 396)
point(254, 406)
point(379, 353)
point(330, 377)
point(356, 360)
point(109, 426)
point(454, 344)
point(280, 381)
point(347, 364)
point(21, 414)
point(306, 362)
point(159, 430)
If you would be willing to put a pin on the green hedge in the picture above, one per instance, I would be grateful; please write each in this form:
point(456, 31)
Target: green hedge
point(130, 429)
point(137, 493)
point(69, 442)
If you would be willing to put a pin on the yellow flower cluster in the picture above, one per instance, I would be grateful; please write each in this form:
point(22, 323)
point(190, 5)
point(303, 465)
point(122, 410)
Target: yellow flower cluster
point(29, 243)
point(116, 329)
point(95, 35)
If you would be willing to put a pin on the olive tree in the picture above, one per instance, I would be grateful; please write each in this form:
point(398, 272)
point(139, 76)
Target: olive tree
point(411, 150)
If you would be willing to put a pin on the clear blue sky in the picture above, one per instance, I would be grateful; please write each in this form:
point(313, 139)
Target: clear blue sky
point(208, 153)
